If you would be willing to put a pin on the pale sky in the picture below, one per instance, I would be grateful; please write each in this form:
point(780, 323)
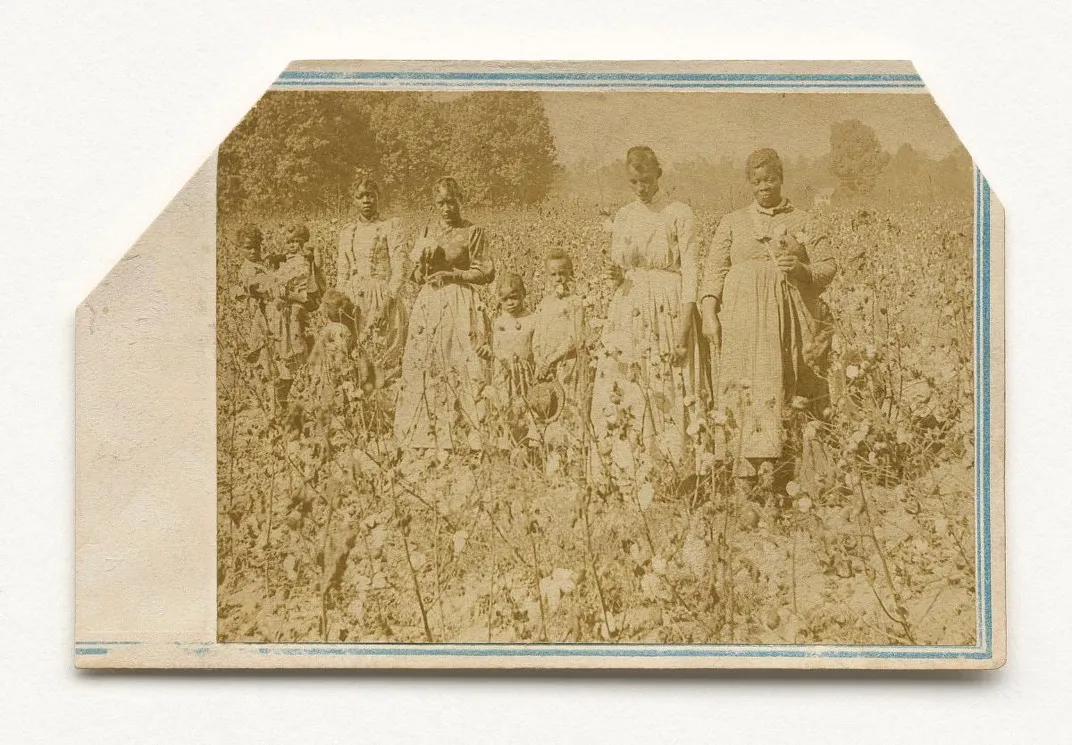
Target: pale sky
point(686, 125)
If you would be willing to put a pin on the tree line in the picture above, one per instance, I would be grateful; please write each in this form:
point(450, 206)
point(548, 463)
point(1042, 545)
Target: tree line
point(299, 151)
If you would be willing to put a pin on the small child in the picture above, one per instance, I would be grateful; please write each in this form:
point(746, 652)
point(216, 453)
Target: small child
point(294, 291)
point(559, 328)
point(511, 340)
point(338, 375)
point(252, 290)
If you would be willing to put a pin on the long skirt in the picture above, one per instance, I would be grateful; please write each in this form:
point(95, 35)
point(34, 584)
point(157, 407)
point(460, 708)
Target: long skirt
point(640, 397)
point(441, 371)
point(382, 321)
point(765, 332)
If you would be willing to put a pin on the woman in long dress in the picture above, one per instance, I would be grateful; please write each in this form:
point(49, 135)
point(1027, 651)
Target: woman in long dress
point(762, 278)
point(650, 362)
point(370, 269)
point(442, 372)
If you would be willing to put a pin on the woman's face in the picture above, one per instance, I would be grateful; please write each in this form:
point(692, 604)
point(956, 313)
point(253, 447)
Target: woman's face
point(447, 206)
point(644, 183)
point(766, 186)
point(367, 201)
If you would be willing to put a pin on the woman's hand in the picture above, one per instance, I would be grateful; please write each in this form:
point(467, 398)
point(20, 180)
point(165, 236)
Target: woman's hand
point(484, 352)
point(613, 274)
point(681, 338)
point(793, 268)
point(438, 279)
point(712, 328)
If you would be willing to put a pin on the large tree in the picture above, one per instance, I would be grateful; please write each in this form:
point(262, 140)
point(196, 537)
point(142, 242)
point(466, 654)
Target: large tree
point(501, 147)
point(300, 150)
point(856, 157)
point(294, 150)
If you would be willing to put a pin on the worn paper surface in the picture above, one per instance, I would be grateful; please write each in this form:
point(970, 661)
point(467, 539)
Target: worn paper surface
point(224, 520)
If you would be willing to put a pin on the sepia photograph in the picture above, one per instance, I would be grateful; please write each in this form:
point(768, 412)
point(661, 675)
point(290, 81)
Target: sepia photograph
point(597, 367)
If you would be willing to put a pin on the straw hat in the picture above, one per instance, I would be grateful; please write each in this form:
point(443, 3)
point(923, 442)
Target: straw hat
point(545, 400)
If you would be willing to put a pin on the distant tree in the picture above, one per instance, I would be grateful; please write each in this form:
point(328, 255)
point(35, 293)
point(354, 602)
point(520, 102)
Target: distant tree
point(856, 157)
point(301, 150)
point(501, 147)
point(294, 150)
point(954, 174)
point(412, 138)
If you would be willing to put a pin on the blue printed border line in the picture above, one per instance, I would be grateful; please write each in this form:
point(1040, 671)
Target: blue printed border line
point(291, 79)
point(982, 650)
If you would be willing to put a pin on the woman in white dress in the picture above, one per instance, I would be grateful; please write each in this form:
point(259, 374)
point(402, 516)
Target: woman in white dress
point(651, 360)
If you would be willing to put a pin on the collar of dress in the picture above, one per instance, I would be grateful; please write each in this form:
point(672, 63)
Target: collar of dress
point(784, 206)
point(657, 202)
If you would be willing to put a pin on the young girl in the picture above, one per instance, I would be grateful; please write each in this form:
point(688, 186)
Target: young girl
point(511, 341)
point(510, 354)
point(294, 291)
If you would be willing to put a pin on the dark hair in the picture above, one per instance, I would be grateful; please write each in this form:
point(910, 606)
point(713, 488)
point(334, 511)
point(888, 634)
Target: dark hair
point(512, 282)
point(557, 254)
point(449, 185)
point(248, 233)
point(338, 307)
point(642, 158)
point(298, 232)
point(364, 179)
point(764, 157)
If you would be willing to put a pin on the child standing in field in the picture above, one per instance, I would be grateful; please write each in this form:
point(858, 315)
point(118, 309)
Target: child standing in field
point(558, 333)
point(339, 376)
point(294, 291)
point(511, 341)
point(252, 290)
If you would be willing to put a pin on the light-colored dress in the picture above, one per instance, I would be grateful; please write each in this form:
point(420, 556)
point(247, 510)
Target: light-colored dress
point(762, 363)
point(511, 346)
point(636, 380)
point(441, 370)
point(558, 337)
point(370, 268)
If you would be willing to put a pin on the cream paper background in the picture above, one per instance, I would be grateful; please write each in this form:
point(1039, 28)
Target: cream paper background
point(146, 459)
point(122, 101)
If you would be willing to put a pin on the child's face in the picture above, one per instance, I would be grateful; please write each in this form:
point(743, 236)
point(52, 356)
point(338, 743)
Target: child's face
point(559, 276)
point(252, 248)
point(294, 245)
point(513, 301)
